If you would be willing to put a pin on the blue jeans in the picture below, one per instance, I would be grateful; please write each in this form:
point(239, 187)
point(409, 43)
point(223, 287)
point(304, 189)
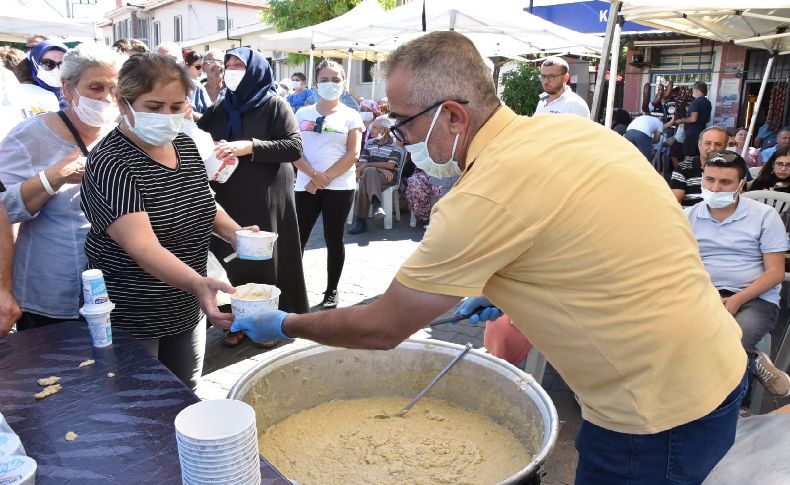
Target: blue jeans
point(681, 455)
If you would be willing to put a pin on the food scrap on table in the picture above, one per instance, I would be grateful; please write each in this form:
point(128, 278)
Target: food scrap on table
point(110, 374)
point(48, 381)
point(71, 436)
point(87, 362)
point(48, 391)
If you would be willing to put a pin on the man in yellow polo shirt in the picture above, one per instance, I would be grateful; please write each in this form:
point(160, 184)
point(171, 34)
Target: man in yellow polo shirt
point(558, 222)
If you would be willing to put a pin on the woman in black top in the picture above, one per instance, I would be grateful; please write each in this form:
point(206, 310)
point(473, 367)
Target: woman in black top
point(146, 195)
point(261, 130)
point(775, 174)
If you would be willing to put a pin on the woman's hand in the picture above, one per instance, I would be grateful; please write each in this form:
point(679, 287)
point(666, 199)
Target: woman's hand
point(321, 179)
point(205, 289)
point(239, 148)
point(231, 238)
point(67, 171)
point(312, 188)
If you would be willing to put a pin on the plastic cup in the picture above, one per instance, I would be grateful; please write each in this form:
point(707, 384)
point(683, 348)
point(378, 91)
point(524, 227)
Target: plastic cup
point(98, 317)
point(10, 444)
point(254, 245)
point(245, 303)
point(17, 470)
point(94, 290)
point(214, 419)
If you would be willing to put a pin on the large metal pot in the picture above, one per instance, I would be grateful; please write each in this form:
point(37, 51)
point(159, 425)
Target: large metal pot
point(300, 377)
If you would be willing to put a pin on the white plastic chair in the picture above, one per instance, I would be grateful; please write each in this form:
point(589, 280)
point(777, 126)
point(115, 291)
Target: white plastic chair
point(778, 200)
point(755, 171)
point(390, 199)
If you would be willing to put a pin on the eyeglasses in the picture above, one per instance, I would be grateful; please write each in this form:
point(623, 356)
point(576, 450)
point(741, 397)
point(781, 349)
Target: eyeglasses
point(549, 77)
point(49, 64)
point(318, 127)
point(212, 62)
point(782, 165)
point(396, 129)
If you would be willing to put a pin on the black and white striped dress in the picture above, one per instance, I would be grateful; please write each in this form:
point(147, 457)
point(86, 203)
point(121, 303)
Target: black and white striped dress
point(120, 179)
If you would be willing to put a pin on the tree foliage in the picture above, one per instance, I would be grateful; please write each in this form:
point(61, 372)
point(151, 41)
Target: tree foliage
point(286, 15)
point(522, 88)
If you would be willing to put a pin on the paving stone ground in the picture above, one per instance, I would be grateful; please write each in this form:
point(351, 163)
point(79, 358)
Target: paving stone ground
point(372, 258)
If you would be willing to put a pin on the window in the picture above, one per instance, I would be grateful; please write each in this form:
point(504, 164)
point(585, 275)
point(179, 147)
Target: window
point(177, 32)
point(107, 41)
point(157, 34)
point(221, 24)
point(206, 48)
point(142, 31)
point(367, 71)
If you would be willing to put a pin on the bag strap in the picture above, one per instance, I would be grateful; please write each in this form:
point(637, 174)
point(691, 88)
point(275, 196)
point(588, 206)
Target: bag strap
point(74, 132)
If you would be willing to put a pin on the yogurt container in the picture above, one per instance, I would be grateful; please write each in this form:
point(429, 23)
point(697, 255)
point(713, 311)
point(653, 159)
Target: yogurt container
point(253, 298)
point(93, 288)
point(17, 470)
point(255, 245)
point(98, 317)
point(10, 445)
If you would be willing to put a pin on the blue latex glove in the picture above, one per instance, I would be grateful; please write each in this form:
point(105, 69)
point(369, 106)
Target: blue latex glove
point(478, 309)
point(264, 327)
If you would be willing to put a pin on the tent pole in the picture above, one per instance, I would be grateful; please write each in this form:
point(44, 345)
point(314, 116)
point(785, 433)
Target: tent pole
point(757, 106)
point(614, 12)
point(613, 75)
point(348, 74)
point(373, 75)
point(310, 68)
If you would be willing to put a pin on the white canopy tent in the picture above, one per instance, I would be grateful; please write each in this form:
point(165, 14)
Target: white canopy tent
point(17, 23)
point(762, 24)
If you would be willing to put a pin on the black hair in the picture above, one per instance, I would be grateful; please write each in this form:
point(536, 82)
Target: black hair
point(728, 159)
point(300, 75)
point(191, 57)
point(702, 87)
point(767, 176)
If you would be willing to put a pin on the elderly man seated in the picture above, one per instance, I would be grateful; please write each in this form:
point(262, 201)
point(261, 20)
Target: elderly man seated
point(686, 179)
point(377, 170)
point(742, 243)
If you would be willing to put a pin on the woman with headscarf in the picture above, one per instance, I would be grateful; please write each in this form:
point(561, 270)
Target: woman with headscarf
point(43, 163)
point(45, 61)
point(260, 128)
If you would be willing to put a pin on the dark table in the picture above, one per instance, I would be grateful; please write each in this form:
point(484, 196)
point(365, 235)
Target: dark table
point(124, 423)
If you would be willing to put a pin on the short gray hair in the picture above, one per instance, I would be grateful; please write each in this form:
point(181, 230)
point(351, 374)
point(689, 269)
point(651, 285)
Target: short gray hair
point(556, 61)
point(84, 56)
point(384, 121)
point(216, 54)
point(714, 128)
point(444, 65)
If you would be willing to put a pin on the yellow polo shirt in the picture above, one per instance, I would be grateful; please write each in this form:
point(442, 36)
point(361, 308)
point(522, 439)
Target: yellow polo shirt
point(563, 225)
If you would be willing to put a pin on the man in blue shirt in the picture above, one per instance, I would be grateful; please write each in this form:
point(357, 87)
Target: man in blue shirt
point(698, 117)
point(301, 93)
point(782, 140)
point(766, 137)
point(742, 243)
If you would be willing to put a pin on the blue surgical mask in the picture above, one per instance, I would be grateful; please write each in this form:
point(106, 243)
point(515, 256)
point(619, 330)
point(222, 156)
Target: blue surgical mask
point(155, 128)
point(330, 91)
point(422, 159)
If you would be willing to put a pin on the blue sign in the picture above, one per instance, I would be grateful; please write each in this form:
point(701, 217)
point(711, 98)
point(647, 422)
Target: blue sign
point(586, 17)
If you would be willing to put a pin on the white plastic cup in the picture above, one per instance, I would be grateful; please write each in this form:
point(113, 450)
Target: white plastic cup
point(94, 290)
point(17, 470)
point(98, 317)
point(10, 444)
point(215, 420)
point(242, 304)
point(255, 245)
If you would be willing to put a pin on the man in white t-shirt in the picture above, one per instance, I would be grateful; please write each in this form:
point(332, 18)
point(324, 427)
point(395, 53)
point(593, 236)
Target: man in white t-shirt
point(643, 132)
point(558, 96)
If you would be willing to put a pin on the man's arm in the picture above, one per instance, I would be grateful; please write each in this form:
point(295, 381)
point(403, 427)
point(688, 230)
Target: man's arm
point(774, 274)
point(679, 194)
point(382, 325)
point(9, 310)
point(691, 118)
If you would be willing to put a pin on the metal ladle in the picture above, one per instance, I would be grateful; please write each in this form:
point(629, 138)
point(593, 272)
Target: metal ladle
point(436, 379)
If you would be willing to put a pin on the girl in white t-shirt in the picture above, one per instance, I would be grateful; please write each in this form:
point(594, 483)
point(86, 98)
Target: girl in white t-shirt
point(326, 181)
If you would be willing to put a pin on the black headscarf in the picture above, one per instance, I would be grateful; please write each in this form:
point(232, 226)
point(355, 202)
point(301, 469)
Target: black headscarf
point(255, 89)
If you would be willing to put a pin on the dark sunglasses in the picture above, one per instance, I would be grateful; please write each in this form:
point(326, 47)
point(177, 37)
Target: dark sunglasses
point(319, 124)
point(396, 129)
point(49, 64)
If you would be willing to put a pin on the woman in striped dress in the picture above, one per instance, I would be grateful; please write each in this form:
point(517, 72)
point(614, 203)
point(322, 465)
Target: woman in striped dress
point(146, 195)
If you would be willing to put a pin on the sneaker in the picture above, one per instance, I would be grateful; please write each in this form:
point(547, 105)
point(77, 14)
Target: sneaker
point(359, 225)
point(376, 204)
point(330, 301)
point(773, 380)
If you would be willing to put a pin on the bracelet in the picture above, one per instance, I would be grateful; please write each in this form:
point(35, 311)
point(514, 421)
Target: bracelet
point(45, 182)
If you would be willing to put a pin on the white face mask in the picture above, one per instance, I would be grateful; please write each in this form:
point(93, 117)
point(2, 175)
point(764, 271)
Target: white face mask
point(330, 91)
point(93, 112)
point(50, 78)
point(296, 84)
point(422, 159)
point(719, 200)
point(233, 78)
point(154, 128)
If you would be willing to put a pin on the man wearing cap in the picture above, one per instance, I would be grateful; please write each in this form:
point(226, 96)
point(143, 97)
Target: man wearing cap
point(590, 273)
point(742, 243)
point(558, 97)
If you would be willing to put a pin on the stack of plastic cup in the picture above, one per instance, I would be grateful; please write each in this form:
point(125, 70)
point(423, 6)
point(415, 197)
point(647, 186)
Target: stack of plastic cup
point(97, 307)
point(15, 467)
point(218, 443)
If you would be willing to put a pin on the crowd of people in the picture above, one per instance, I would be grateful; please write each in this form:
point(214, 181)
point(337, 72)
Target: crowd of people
point(98, 173)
